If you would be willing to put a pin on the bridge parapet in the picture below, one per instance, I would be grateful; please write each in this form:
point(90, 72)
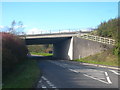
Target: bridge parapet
point(97, 38)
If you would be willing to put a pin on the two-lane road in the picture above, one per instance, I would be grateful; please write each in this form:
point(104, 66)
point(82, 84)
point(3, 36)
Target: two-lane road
point(71, 74)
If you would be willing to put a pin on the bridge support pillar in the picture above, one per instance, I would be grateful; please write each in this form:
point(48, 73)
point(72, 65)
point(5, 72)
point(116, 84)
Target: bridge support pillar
point(64, 49)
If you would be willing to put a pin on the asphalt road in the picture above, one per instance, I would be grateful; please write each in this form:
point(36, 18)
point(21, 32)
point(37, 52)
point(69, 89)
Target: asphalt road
point(71, 74)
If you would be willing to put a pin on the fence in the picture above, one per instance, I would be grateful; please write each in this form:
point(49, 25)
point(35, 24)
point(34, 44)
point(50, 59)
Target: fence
point(97, 38)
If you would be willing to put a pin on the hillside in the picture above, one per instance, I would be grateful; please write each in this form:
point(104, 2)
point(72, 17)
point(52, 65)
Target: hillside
point(111, 57)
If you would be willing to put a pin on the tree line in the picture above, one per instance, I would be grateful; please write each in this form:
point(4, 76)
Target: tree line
point(110, 29)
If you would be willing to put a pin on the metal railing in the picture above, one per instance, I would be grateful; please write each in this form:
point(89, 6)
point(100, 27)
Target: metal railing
point(97, 38)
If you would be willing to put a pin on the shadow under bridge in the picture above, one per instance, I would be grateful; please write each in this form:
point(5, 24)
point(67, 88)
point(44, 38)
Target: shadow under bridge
point(62, 46)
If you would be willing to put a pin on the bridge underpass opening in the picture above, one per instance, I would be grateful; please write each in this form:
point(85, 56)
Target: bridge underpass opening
point(42, 49)
point(62, 46)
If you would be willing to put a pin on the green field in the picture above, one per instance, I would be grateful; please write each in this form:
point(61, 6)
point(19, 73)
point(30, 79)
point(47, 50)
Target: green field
point(25, 76)
point(43, 54)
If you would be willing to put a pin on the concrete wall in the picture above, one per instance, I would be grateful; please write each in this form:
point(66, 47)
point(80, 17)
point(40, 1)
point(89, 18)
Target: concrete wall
point(63, 49)
point(83, 47)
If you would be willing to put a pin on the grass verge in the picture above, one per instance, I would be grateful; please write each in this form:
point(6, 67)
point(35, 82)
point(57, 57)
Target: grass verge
point(103, 58)
point(25, 76)
point(43, 54)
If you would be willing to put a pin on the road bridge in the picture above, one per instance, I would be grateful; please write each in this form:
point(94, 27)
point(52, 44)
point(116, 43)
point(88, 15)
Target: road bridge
point(72, 45)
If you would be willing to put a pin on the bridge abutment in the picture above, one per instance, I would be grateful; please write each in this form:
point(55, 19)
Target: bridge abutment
point(83, 47)
point(63, 49)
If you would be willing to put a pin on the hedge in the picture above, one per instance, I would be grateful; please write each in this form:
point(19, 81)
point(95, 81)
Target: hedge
point(14, 52)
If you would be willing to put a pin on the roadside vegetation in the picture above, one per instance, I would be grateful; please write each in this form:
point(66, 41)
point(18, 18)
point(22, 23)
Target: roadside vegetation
point(110, 29)
point(25, 76)
point(103, 58)
point(17, 70)
point(42, 54)
point(14, 52)
point(44, 50)
point(111, 57)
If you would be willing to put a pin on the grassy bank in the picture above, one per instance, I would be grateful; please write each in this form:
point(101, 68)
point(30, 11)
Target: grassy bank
point(43, 54)
point(25, 76)
point(103, 58)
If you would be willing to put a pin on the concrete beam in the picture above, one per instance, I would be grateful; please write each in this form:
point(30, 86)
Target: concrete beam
point(47, 36)
point(35, 41)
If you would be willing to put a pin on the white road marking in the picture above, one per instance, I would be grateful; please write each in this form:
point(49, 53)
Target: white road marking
point(115, 72)
point(106, 74)
point(56, 89)
point(85, 71)
point(43, 78)
point(53, 87)
point(95, 78)
point(73, 70)
point(40, 81)
point(108, 79)
point(48, 82)
point(43, 86)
